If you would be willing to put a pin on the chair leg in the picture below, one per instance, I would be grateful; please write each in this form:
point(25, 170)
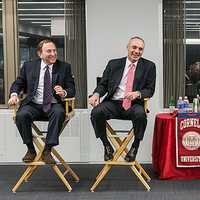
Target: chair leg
point(100, 176)
point(55, 167)
point(30, 173)
point(29, 170)
point(142, 171)
point(22, 178)
point(107, 167)
point(123, 146)
point(122, 151)
point(37, 158)
point(59, 157)
point(117, 144)
point(67, 167)
point(60, 175)
point(100, 173)
point(140, 177)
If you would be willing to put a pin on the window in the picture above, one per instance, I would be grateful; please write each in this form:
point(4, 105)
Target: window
point(181, 44)
point(62, 21)
point(2, 81)
point(192, 29)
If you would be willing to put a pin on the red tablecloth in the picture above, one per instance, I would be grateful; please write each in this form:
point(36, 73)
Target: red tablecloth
point(164, 150)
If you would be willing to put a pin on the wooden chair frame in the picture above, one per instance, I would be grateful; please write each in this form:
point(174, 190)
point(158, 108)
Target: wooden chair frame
point(39, 141)
point(121, 150)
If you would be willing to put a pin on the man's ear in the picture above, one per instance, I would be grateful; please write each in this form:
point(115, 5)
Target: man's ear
point(39, 54)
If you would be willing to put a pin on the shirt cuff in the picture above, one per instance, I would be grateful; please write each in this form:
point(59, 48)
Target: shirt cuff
point(13, 94)
point(65, 95)
point(96, 94)
point(140, 96)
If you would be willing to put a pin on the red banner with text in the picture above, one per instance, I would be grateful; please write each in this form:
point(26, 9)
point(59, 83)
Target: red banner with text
point(187, 141)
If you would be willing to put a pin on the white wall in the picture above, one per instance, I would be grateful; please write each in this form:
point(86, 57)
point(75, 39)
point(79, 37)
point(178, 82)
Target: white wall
point(110, 23)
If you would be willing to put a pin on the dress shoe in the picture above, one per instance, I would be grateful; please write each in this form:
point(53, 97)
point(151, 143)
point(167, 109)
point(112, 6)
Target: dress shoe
point(29, 157)
point(108, 152)
point(47, 158)
point(131, 155)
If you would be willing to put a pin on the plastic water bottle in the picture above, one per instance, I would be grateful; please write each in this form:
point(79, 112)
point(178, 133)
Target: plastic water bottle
point(198, 97)
point(180, 104)
point(186, 104)
point(195, 104)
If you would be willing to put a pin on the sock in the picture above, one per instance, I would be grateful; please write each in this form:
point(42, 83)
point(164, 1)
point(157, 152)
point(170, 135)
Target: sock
point(136, 143)
point(31, 147)
point(104, 140)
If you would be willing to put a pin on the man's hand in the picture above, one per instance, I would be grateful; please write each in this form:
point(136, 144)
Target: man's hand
point(132, 95)
point(59, 91)
point(94, 100)
point(14, 100)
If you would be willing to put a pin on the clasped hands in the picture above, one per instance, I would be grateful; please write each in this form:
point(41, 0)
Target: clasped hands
point(14, 100)
point(95, 99)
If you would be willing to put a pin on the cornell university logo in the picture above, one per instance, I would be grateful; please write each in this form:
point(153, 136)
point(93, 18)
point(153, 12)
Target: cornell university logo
point(191, 140)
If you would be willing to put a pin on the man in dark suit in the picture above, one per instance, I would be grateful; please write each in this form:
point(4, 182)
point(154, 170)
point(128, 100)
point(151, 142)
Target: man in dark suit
point(46, 82)
point(126, 81)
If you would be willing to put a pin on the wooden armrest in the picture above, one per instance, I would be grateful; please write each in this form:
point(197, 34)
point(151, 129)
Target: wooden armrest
point(146, 105)
point(15, 107)
point(69, 103)
point(69, 107)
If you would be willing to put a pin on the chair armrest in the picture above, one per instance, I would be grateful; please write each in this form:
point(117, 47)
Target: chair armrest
point(15, 108)
point(69, 105)
point(14, 112)
point(146, 105)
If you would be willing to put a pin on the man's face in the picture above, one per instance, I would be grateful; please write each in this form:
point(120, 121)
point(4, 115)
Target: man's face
point(135, 49)
point(48, 53)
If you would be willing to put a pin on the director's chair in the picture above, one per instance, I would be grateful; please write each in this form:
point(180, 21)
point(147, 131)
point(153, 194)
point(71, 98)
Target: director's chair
point(39, 141)
point(121, 150)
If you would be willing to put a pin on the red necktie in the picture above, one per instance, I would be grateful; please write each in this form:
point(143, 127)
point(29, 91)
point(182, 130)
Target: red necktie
point(129, 85)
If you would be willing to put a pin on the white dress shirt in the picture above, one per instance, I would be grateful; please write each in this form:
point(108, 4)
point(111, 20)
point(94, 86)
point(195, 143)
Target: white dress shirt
point(120, 91)
point(38, 98)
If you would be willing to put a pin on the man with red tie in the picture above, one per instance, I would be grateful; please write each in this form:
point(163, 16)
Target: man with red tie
point(46, 82)
point(126, 81)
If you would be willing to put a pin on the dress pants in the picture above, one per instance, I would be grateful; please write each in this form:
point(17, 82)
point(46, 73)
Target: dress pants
point(33, 112)
point(113, 110)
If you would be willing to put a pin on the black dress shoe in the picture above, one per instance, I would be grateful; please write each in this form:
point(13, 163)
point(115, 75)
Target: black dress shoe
point(47, 158)
point(131, 155)
point(29, 157)
point(108, 152)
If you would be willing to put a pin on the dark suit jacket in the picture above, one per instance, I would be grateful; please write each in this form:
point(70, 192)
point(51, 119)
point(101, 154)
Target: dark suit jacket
point(144, 81)
point(28, 79)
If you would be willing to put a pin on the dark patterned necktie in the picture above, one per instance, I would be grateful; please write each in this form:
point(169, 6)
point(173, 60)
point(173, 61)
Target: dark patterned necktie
point(47, 93)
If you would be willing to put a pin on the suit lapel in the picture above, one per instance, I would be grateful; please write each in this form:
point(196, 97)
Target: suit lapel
point(120, 71)
point(138, 73)
point(54, 74)
point(37, 74)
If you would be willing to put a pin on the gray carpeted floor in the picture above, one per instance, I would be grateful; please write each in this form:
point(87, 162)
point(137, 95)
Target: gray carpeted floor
point(119, 184)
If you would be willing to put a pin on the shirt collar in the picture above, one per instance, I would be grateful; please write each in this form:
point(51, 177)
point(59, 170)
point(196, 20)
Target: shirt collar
point(43, 65)
point(128, 62)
